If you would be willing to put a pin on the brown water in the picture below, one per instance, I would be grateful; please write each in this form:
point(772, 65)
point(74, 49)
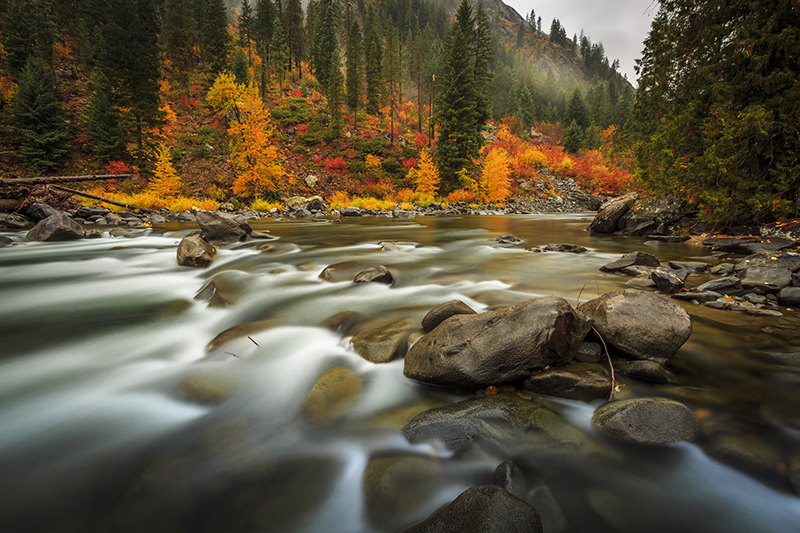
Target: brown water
point(102, 343)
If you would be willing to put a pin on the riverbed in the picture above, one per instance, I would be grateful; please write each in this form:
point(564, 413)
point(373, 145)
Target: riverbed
point(115, 415)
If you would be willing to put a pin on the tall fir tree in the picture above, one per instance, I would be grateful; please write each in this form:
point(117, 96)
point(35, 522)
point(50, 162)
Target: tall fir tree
point(457, 115)
point(265, 15)
point(130, 62)
point(354, 70)
point(215, 40)
point(38, 121)
point(29, 29)
point(246, 26)
point(325, 53)
point(177, 36)
point(373, 60)
point(394, 71)
point(103, 121)
point(293, 33)
point(280, 50)
point(484, 55)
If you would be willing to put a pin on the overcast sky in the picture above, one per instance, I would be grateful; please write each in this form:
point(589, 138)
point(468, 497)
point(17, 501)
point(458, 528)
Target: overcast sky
point(621, 25)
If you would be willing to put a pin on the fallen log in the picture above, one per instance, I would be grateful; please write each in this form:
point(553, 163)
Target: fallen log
point(61, 179)
point(106, 200)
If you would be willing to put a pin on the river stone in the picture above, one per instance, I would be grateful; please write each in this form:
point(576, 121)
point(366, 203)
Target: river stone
point(631, 259)
point(379, 274)
point(312, 203)
point(507, 477)
point(647, 214)
point(193, 251)
point(507, 239)
point(721, 285)
point(789, 297)
point(332, 395)
point(692, 266)
point(767, 280)
point(722, 269)
point(56, 227)
point(648, 420)
point(565, 247)
point(208, 388)
point(642, 281)
point(241, 331)
point(39, 212)
point(394, 486)
point(643, 370)
point(5, 241)
point(482, 509)
point(15, 222)
point(642, 325)
point(342, 321)
point(442, 312)
point(787, 260)
point(589, 352)
point(576, 381)
point(222, 227)
point(498, 346)
point(606, 219)
point(351, 212)
point(667, 281)
point(386, 343)
point(743, 451)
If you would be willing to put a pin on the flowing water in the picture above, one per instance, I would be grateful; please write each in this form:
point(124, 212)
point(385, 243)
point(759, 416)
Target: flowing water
point(115, 415)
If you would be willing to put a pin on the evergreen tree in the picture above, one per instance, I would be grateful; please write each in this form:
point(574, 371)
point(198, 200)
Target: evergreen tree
point(29, 29)
point(718, 106)
point(325, 54)
point(520, 35)
point(239, 67)
point(354, 69)
point(293, 32)
point(374, 68)
point(265, 16)
point(484, 55)
point(247, 32)
point(177, 36)
point(334, 97)
point(577, 110)
point(103, 122)
point(280, 50)
point(574, 138)
point(393, 75)
point(457, 115)
point(38, 121)
point(131, 63)
point(215, 40)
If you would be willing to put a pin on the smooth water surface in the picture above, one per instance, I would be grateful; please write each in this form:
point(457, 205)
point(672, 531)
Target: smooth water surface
point(116, 415)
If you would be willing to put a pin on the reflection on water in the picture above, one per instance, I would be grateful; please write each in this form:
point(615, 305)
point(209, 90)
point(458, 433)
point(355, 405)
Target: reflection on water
point(116, 417)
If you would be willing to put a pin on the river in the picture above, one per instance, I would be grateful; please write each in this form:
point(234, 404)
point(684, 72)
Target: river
point(115, 416)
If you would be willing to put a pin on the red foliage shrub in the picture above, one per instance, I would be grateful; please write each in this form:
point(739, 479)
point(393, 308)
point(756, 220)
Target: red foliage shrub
point(410, 163)
point(336, 165)
point(420, 140)
point(297, 93)
point(117, 167)
point(184, 102)
point(301, 129)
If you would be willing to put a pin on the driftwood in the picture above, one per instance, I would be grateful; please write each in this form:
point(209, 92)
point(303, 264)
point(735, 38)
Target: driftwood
point(61, 179)
point(106, 200)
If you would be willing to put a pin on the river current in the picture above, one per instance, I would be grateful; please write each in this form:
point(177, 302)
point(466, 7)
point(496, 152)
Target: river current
point(116, 414)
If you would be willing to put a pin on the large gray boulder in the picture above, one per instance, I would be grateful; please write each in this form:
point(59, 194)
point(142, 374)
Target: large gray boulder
point(498, 346)
point(56, 227)
point(218, 227)
point(648, 214)
point(482, 509)
point(39, 211)
point(641, 325)
point(193, 251)
point(610, 213)
point(648, 420)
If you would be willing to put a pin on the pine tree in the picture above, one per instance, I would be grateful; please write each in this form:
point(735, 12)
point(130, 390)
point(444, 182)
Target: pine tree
point(280, 50)
point(484, 55)
point(457, 115)
point(374, 68)
point(103, 122)
point(354, 69)
point(29, 29)
point(130, 62)
point(393, 74)
point(239, 66)
point(246, 25)
point(265, 16)
point(577, 110)
point(326, 45)
point(293, 32)
point(215, 41)
point(37, 120)
point(574, 138)
point(177, 36)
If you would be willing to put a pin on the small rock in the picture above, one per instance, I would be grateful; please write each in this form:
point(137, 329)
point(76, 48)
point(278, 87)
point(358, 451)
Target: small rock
point(57, 227)
point(92, 234)
point(648, 420)
point(193, 251)
point(442, 312)
point(766, 280)
point(576, 381)
point(723, 269)
point(667, 281)
point(342, 321)
point(643, 370)
point(5, 241)
point(789, 297)
point(379, 274)
point(385, 344)
point(634, 258)
point(589, 352)
point(721, 285)
point(507, 239)
point(693, 267)
point(565, 247)
point(332, 395)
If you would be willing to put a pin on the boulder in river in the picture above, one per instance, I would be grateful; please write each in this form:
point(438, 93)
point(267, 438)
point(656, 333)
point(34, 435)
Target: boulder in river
point(379, 274)
point(194, 251)
point(14, 222)
point(442, 312)
point(332, 395)
point(482, 509)
point(631, 259)
point(218, 227)
point(39, 211)
point(576, 381)
point(56, 227)
point(498, 346)
point(648, 420)
point(641, 325)
point(606, 220)
point(667, 281)
point(789, 297)
point(386, 343)
point(647, 214)
point(565, 247)
point(766, 280)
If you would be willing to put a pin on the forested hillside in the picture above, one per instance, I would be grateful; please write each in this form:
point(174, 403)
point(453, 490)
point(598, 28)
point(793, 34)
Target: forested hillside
point(382, 102)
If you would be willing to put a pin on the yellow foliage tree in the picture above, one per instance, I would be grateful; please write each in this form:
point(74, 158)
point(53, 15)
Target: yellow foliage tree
point(167, 183)
point(255, 159)
point(495, 177)
point(425, 176)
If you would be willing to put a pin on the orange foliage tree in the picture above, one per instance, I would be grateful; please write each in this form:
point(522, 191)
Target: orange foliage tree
point(495, 176)
point(255, 158)
point(426, 175)
point(167, 183)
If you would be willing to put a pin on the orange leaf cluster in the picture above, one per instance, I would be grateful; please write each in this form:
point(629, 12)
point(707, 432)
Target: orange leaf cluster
point(495, 176)
point(425, 176)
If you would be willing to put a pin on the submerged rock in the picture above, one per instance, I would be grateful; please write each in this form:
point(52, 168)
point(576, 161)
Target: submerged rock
point(565, 247)
point(56, 227)
point(194, 251)
point(576, 381)
point(497, 346)
point(379, 274)
point(442, 312)
point(648, 420)
point(394, 486)
point(332, 395)
point(386, 343)
point(641, 325)
point(482, 509)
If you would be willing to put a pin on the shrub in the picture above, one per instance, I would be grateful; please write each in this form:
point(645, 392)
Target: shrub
point(336, 165)
point(460, 195)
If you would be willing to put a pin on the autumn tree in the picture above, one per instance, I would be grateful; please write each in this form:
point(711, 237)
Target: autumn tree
point(495, 177)
point(254, 156)
point(167, 183)
point(425, 176)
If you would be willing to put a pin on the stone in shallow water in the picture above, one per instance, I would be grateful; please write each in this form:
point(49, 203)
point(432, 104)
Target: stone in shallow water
point(576, 381)
point(379, 274)
point(193, 251)
point(631, 259)
point(56, 227)
point(332, 395)
point(442, 312)
point(386, 343)
point(647, 420)
point(396, 485)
